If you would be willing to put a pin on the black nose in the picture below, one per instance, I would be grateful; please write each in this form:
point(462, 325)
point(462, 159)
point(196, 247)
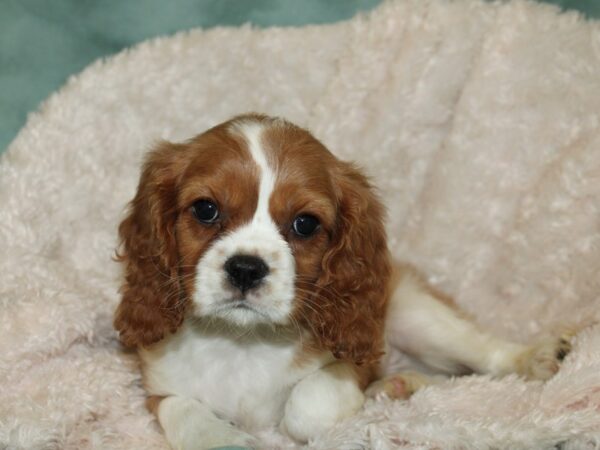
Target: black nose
point(245, 271)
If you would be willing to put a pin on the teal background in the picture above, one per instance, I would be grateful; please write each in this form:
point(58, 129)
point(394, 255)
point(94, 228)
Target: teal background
point(42, 42)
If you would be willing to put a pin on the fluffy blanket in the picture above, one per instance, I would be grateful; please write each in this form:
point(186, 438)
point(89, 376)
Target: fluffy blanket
point(478, 121)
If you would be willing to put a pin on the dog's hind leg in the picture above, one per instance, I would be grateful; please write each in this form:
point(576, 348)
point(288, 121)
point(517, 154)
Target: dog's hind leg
point(423, 324)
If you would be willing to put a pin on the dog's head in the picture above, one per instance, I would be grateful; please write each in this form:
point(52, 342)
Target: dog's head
point(255, 221)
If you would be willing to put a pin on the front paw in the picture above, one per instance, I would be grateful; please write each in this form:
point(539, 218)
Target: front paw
point(542, 360)
point(232, 439)
point(231, 447)
point(321, 400)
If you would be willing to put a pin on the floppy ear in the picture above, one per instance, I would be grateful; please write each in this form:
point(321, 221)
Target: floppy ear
point(353, 287)
point(152, 302)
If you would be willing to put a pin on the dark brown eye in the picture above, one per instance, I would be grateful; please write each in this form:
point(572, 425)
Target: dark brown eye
point(205, 211)
point(305, 225)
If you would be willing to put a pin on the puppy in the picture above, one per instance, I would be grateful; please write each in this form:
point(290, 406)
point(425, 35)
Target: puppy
point(259, 291)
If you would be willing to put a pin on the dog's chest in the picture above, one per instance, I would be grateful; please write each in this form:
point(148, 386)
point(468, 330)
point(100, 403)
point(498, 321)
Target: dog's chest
point(246, 379)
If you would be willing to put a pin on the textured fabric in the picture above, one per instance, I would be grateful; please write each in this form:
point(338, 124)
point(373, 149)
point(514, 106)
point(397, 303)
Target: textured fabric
point(43, 43)
point(479, 123)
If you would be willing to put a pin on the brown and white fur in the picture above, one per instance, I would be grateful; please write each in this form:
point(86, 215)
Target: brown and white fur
point(300, 343)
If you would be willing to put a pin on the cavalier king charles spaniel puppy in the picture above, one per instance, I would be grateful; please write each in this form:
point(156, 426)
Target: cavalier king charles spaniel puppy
point(259, 291)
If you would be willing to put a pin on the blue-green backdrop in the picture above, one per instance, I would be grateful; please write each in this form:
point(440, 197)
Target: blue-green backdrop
point(42, 42)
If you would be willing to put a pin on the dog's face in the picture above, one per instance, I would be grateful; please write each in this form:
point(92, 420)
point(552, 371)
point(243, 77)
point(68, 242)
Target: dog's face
point(255, 221)
point(258, 208)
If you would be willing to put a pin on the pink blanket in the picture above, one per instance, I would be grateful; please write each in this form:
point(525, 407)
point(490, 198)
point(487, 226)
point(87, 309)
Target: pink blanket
point(478, 121)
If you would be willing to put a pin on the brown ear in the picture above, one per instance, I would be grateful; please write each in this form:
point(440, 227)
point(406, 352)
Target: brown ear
point(152, 303)
point(353, 289)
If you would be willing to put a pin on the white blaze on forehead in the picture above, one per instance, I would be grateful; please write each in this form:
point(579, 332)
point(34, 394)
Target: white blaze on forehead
point(252, 132)
point(272, 300)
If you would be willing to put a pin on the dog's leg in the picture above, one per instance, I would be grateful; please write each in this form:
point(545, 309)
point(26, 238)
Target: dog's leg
point(422, 324)
point(320, 400)
point(188, 424)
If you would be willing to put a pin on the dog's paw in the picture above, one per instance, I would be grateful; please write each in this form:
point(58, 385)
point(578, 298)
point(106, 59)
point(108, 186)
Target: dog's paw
point(222, 436)
point(542, 360)
point(398, 386)
point(231, 447)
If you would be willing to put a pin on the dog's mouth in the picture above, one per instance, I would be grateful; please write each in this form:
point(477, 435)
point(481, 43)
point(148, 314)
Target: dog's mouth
point(240, 310)
point(241, 304)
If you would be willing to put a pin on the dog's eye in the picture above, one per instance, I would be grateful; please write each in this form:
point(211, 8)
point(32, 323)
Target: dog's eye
point(304, 225)
point(205, 211)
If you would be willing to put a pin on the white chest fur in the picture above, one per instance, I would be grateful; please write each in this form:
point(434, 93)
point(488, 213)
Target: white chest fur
point(245, 377)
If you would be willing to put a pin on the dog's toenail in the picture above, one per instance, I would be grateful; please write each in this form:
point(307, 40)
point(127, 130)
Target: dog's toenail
point(561, 353)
